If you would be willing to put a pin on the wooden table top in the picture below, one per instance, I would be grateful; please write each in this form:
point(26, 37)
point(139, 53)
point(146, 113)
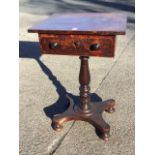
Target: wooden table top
point(83, 23)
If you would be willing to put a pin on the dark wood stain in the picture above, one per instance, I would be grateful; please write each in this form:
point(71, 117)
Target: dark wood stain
point(78, 45)
point(83, 23)
point(83, 35)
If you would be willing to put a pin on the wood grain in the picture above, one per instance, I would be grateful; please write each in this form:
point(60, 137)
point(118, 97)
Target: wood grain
point(78, 45)
point(83, 23)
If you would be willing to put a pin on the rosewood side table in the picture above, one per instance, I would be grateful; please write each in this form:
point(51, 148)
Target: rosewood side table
point(84, 35)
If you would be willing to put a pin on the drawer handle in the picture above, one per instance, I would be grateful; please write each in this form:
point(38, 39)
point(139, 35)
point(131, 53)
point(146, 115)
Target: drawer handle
point(53, 45)
point(94, 47)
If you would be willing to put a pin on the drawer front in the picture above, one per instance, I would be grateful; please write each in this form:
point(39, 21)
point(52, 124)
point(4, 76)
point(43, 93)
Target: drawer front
point(81, 45)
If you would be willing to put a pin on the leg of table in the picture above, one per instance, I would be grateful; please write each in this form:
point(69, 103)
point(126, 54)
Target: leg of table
point(86, 110)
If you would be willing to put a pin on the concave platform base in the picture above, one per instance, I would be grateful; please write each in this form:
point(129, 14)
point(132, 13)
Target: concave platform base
point(93, 116)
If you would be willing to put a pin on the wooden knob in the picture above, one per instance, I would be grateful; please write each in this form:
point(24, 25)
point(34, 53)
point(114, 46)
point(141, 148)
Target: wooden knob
point(94, 47)
point(53, 45)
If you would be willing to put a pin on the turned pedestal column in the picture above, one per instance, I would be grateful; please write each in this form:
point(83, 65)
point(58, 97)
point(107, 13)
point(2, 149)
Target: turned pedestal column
point(85, 111)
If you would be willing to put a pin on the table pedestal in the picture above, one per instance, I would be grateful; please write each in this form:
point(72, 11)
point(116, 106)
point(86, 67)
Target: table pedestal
point(86, 110)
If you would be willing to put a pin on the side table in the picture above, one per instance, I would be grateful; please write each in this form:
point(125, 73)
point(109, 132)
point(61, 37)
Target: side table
point(84, 35)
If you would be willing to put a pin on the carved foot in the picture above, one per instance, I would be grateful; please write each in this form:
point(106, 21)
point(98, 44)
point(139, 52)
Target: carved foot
point(102, 128)
point(56, 126)
point(110, 106)
point(103, 135)
point(59, 119)
point(106, 136)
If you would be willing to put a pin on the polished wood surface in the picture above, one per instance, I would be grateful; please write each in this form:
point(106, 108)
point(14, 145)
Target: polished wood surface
point(83, 23)
point(81, 45)
point(86, 110)
point(84, 35)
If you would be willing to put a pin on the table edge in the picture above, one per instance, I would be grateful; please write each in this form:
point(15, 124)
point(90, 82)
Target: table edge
point(59, 32)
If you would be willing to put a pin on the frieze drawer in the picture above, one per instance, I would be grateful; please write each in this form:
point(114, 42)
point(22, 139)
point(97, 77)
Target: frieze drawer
point(85, 45)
